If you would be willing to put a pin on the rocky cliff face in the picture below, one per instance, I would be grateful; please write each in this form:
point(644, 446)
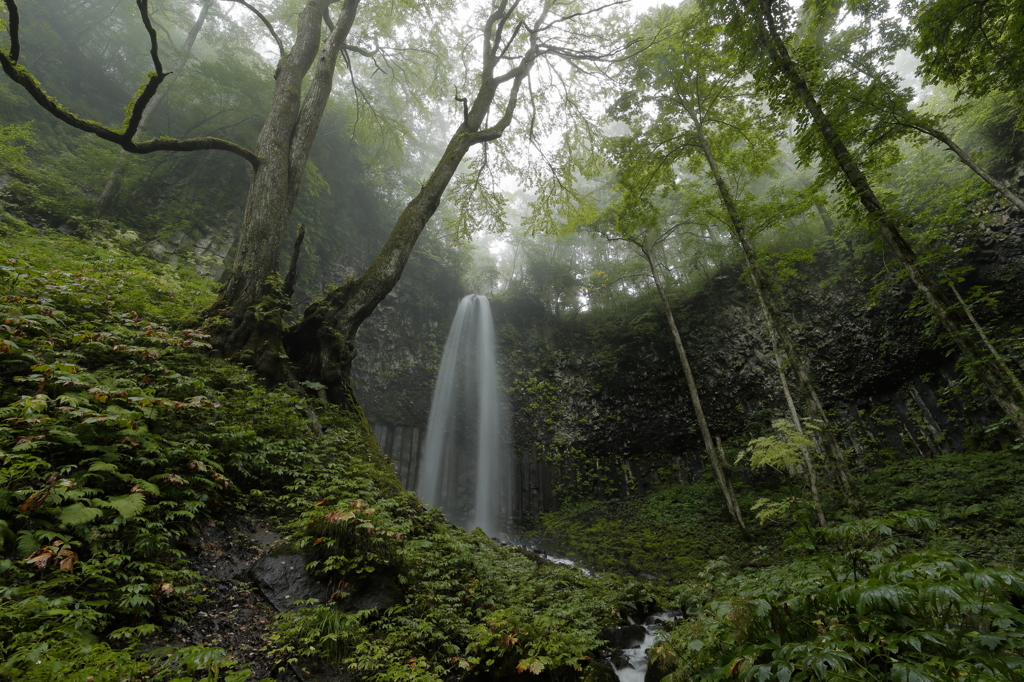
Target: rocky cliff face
point(599, 403)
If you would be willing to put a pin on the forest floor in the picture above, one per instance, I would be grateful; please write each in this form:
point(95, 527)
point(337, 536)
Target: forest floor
point(671, 534)
point(232, 614)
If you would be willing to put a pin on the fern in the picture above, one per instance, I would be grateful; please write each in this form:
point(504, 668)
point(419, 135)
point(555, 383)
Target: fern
point(79, 514)
point(126, 505)
point(102, 466)
point(781, 450)
point(28, 542)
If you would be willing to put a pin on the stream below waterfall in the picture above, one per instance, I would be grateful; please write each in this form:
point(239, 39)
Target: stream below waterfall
point(631, 664)
point(562, 561)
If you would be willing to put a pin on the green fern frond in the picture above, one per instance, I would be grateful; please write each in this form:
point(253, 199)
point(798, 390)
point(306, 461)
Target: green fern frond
point(79, 514)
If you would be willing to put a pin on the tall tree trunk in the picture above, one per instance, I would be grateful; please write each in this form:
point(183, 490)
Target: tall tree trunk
point(988, 343)
point(718, 464)
point(113, 185)
point(909, 119)
point(985, 367)
point(778, 327)
point(826, 217)
point(283, 146)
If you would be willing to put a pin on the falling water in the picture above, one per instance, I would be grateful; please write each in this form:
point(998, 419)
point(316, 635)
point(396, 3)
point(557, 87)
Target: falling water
point(465, 469)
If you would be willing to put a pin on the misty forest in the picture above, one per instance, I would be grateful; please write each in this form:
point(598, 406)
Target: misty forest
point(556, 340)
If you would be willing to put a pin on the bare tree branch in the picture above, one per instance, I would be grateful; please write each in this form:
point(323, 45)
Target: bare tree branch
point(270, 27)
point(137, 107)
point(14, 23)
point(123, 138)
point(360, 50)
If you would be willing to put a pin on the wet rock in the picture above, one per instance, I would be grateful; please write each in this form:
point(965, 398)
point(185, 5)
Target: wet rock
point(230, 613)
point(619, 660)
point(656, 670)
point(283, 581)
point(381, 592)
point(662, 617)
point(626, 637)
point(599, 670)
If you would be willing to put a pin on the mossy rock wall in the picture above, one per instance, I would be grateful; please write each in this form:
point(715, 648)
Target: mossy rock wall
point(599, 405)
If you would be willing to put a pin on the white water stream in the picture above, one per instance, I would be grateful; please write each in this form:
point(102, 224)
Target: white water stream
point(635, 666)
point(466, 469)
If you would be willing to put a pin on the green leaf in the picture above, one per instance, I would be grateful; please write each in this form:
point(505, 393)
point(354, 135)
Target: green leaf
point(904, 672)
point(79, 514)
point(27, 542)
point(102, 466)
point(147, 487)
point(126, 505)
point(991, 641)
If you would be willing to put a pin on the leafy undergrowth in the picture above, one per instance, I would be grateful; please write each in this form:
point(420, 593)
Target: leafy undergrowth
point(926, 588)
point(120, 437)
point(863, 601)
point(978, 498)
point(466, 607)
point(670, 534)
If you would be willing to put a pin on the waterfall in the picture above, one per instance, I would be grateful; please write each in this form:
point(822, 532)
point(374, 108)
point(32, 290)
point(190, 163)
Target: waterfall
point(465, 468)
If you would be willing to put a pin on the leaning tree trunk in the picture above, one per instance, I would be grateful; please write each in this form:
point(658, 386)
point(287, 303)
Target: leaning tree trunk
point(238, 327)
point(322, 344)
point(826, 219)
point(113, 185)
point(778, 327)
point(715, 456)
point(823, 214)
point(954, 321)
point(968, 161)
point(988, 343)
point(812, 471)
point(909, 119)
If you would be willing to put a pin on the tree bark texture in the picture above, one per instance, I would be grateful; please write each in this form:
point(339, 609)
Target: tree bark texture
point(283, 146)
point(953, 319)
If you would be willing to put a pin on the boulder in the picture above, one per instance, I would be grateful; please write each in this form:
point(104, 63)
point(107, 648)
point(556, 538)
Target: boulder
point(626, 637)
point(283, 581)
point(599, 670)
